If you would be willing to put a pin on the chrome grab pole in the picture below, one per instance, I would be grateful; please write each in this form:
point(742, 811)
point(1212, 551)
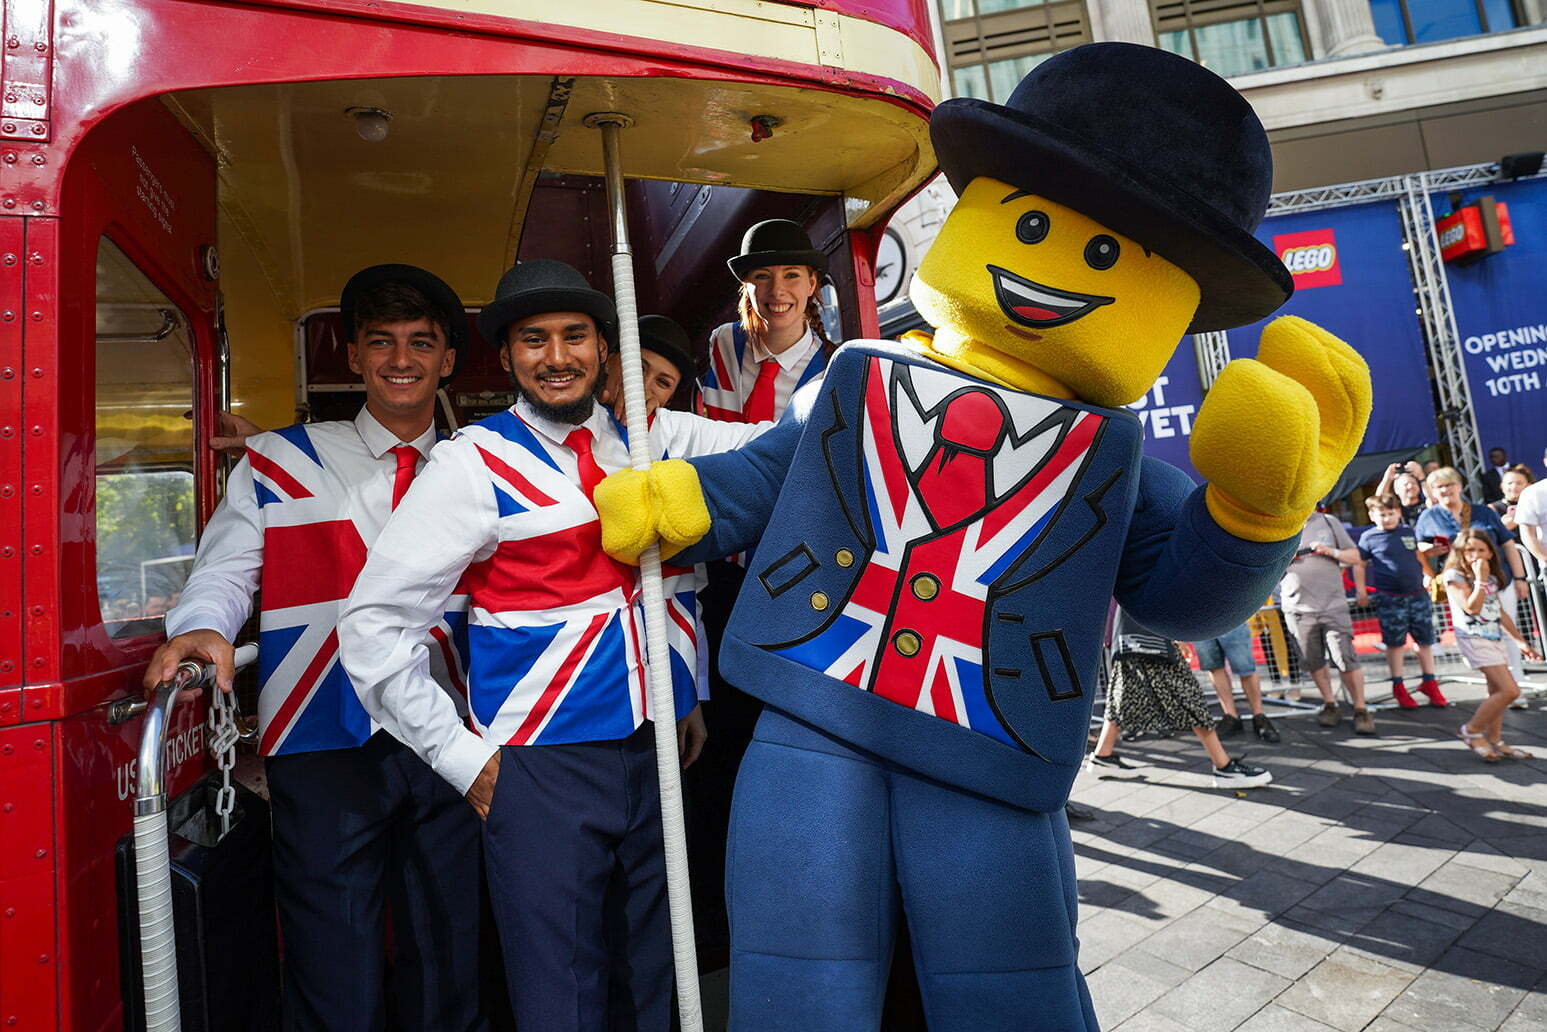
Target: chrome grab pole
point(662, 701)
point(152, 857)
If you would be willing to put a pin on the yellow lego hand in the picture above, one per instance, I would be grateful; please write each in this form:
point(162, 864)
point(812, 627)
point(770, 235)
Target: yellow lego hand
point(663, 505)
point(1274, 433)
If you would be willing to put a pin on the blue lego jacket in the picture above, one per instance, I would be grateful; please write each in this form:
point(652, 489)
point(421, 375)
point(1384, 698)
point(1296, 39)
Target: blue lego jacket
point(935, 555)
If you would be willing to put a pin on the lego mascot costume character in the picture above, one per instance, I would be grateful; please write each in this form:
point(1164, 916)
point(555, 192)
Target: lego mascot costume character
point(938, 534)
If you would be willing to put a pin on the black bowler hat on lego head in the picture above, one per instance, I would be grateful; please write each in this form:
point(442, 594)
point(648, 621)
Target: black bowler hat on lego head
point(776, 242)
point(432, 287)
point(663, 336)
point(1147, 143)
point(539, 287)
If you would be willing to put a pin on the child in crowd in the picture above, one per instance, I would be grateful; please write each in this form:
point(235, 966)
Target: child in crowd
point(1154, 691)
point(1472, 583)
point(1401, 603)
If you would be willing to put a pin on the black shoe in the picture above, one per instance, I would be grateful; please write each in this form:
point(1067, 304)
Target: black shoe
point(1264, 727)
point(1227, 726)
point(1078, 813)
point(1113, 766)
point(1239, 774)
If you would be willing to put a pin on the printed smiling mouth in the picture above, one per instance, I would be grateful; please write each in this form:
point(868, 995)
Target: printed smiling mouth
point(1032, 304)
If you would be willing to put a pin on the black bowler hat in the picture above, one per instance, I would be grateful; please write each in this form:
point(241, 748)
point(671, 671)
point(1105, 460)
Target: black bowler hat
point(539, 287)
point(663, 336)
point(776, 242)
point(434, 289)
point(1145, 142)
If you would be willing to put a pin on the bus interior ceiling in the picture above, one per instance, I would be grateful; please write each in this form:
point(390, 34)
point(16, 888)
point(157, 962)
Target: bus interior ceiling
point(475, 171)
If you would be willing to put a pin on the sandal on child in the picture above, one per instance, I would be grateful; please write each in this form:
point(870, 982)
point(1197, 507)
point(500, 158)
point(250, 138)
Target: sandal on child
point(1509, 752)
point(1484, 751)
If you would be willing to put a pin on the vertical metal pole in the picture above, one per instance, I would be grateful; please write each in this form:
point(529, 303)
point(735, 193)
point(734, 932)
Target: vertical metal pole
point(662, 701)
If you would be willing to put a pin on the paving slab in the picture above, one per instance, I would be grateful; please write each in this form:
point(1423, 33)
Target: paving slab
point(1221, 997)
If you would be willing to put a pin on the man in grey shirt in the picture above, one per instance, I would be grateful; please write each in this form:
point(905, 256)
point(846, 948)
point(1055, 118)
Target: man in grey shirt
point(1311, 594)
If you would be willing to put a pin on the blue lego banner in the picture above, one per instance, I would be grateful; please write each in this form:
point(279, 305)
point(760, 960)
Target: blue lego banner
point(1501, 314)
point(1352, 278)
point(1168, 408)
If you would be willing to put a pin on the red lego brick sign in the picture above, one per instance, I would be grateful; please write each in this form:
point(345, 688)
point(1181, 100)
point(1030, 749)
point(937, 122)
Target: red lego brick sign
point(1311, 258)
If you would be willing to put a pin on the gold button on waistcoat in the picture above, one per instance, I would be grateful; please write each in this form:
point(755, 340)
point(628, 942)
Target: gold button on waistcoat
point(844, 557)
point(907, 643)
point(925, 586)
point(819, 600)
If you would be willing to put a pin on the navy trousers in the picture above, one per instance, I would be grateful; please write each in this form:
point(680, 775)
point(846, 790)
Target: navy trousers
point(829, 844)
point(358, 832)
point(578, 882)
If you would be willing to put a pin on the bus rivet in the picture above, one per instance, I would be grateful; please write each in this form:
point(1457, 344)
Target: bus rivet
point(9, 259)
point(8, 373)
point(37, 703)
point(6, 431)
point(10, 157)
point(10, 911)
point(37, 431)
point(8, 315)
point(37, 316)
point(6, 553)
point(36, 549)
point(37, 372)
point(37, 130)
point(38, 159)
point(13, 42)
point(37, 489)
point(40, 47)
point(5, 750)
point(37, 98)
point(37, 205)
point(9, 202)
point(37, 610)
point(9, 127)
point(35, 258)
point(38, 745)
point(42, 958)
point(10, 98)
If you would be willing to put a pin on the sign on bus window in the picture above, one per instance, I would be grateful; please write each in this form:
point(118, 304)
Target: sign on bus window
point(145, 448)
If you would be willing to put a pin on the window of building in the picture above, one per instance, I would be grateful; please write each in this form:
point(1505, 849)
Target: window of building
point(1424, 21)
point(1232, 38)
point(992, 44)
point(145, 498)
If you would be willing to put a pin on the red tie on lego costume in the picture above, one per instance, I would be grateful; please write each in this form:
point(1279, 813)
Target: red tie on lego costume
point(407, 464)
point(579, 442)
point(954, 483)
point(760, 403)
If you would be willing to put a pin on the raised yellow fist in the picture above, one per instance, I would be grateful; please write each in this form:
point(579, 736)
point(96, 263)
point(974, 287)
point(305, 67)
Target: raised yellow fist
point(1275, 432)
point(663, 505)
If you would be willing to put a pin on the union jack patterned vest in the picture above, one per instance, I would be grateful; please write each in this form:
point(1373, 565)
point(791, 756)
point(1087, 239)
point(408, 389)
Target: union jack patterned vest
point(556, 629)
point(322, 501)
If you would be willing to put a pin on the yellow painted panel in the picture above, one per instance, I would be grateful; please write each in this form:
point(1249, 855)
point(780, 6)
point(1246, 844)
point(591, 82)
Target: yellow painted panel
point(260, 333)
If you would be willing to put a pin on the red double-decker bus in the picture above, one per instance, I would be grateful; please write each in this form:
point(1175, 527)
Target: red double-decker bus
point(186, 185)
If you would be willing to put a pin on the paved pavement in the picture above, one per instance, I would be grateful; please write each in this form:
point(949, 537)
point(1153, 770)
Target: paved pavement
point(1389, 884)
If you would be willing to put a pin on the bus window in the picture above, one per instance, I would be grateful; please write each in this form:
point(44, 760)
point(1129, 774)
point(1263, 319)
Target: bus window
point(145, 447)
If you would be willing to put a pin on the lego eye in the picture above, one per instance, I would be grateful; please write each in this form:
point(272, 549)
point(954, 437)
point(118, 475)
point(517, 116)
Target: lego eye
point(1101, 252)
point(1032, 227)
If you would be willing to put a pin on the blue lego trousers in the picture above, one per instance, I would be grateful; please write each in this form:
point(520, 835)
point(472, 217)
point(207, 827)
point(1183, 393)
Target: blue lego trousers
point(828, 846)
point(359, 832)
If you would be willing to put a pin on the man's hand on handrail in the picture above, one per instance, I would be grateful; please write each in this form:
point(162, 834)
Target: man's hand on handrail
point(204, 645)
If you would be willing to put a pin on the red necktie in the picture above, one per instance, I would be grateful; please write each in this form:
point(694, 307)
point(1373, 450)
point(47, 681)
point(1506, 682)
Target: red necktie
point(760, 403)
point(407, 463)
point(954, 485)
point(579, 442)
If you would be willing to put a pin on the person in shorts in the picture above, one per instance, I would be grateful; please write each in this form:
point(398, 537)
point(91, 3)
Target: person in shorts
point(1236, 648)
point(1311, 592)
point(1398, 575)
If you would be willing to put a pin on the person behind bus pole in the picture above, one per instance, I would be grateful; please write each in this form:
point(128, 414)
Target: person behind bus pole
point(359, 820)
point(1402, 602)
point(559, 761)
point(1472, 587)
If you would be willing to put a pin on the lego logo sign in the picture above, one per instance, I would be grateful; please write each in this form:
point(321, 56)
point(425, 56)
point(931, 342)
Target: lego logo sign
point(1311, 258)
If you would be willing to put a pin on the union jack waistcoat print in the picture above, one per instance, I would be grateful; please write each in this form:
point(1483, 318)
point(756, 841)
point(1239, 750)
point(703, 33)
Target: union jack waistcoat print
point(322, 500)
point(555, 626)
point(723, 387)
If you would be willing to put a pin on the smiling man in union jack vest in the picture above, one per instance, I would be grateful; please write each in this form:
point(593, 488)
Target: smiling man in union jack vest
point(359, 820)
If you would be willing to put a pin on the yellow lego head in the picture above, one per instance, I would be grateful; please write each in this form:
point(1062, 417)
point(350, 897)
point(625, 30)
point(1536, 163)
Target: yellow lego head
point(1046, 299)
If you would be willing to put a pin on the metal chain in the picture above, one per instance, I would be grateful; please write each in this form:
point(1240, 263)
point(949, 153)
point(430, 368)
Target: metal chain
point(223, 736)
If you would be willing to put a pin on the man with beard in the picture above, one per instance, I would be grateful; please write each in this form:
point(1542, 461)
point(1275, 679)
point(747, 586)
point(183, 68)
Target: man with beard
point(558, 761)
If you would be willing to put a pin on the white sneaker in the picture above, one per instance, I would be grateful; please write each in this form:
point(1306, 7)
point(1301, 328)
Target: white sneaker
point(1113, 766)
point(1239, 774)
